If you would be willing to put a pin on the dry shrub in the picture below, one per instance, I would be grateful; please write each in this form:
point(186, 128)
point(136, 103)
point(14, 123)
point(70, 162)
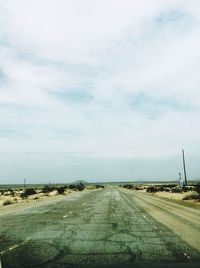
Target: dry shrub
point(8, 202)
point(192, 196)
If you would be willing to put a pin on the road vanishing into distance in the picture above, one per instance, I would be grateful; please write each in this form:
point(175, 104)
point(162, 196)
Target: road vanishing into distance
point(111, 226)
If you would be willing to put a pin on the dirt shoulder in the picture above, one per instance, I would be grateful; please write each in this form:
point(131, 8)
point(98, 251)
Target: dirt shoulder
point(181, 219)
point(32, 201)
point(176, 198)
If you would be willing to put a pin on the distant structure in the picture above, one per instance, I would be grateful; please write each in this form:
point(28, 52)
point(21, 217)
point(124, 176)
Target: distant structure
point(181, 182)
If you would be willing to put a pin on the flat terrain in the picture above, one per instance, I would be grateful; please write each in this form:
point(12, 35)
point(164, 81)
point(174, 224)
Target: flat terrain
point(107, 226)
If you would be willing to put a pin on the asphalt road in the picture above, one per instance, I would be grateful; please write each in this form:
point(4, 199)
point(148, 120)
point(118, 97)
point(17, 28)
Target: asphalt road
point(112, 226)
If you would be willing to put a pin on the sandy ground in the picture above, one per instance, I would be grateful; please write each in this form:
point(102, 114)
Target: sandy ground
point(101, 227)
point(177, 196)
point(32, 200)
point(35, 200)
point(17, 199)
point(40, 197)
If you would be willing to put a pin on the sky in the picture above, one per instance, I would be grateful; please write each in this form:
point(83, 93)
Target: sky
point(100, 90)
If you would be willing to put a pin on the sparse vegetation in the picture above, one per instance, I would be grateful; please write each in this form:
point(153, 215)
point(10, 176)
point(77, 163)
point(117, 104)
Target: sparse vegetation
point(192, 196)
point(48, 189)
point(151, 189)
point(94, 186)
point(176, 190)
point(72, 186)
point(128, 186)
point(61, 190)
point(98, 186)
point(90, 187)
point(197, 188)
point(80, 186)
point(11, 191)
point(28, 192)
point(171, 188)
point(22, 195)
point(8, 202)
point(133, 187)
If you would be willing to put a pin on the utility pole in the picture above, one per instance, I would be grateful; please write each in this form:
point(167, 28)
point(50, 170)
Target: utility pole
point(184, 167)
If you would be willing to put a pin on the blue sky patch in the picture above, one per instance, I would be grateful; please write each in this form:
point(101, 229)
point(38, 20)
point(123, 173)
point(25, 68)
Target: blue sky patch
point(2, 77)
point(156, 107)
point(76, 96)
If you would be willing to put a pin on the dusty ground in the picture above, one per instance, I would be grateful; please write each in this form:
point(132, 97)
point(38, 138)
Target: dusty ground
point(110, 226)
point(37, 200)
point(33, 200)
point(177, 196)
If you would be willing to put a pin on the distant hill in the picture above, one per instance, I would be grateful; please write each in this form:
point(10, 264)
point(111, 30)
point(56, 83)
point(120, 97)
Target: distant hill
point(80, 181)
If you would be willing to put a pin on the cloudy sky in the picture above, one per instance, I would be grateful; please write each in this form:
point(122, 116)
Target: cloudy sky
point(99, 89)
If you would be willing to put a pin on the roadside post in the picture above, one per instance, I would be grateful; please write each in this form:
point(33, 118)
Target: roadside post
point(181, 182)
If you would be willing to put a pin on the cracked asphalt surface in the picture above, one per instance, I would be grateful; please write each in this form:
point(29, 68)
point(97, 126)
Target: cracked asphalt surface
point(111, 226)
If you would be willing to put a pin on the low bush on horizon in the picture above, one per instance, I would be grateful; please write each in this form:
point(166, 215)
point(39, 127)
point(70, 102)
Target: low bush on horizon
point(192, 196)
point(94, 186)
point(132, 187)
point(72, 186)
point(61, 190)
point(127, 186)
point(28, 192)
point(188, 188)
point(197, 188)
point(76, 186)
point(176, 190)
point(11, 191)
point(90, 187)
point(48, 189)
point(151, 189)
point(172, 188)
point(98, 186)
point(80, 186)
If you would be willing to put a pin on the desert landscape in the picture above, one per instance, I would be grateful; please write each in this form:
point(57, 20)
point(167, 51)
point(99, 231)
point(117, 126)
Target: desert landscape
point(101, 224)
point(17, 195)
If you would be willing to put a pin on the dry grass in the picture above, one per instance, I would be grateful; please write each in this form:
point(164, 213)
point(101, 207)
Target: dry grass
point(8, 202)
point(189, 197)
point(192, 196)
point(39, 196)
point(175, 196)
point(90, 187)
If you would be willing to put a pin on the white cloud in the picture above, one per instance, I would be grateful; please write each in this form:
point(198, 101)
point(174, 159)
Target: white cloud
point(99, 79)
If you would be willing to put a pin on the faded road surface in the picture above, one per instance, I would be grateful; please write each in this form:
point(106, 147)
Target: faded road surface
point(110, 226)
